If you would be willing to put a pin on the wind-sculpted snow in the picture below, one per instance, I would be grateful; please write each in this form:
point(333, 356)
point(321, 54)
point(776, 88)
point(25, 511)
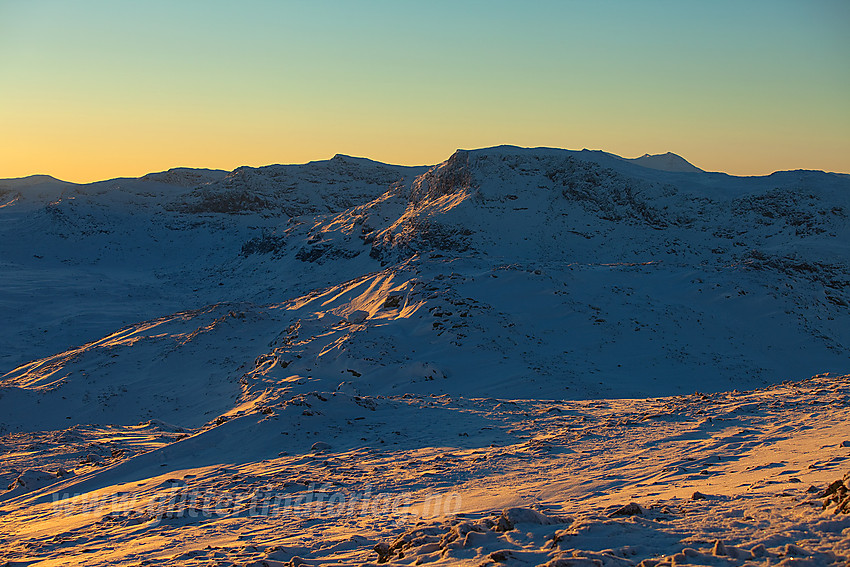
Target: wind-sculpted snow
point(488, 361)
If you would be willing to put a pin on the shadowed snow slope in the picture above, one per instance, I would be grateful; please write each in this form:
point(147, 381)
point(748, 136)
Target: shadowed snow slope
point(524, 327)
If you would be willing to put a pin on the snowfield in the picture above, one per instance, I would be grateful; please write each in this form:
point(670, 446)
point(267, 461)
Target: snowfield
point(515, 357)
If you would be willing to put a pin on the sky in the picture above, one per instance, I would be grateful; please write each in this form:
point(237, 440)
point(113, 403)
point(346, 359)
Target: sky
point(96, 89)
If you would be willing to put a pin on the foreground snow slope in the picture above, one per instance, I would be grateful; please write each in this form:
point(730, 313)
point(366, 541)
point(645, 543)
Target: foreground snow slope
point(422, 479)
point(521, 327)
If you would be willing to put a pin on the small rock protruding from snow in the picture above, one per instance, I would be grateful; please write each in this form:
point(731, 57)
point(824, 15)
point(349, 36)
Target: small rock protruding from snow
point(832, 489)
point(630, 509)
point(512, 516)
point(837, 495)
point(501, 556)
point(384, 552)
point(320, 447)
point(93, 459)
point(32, 479)
point(347, 387)
point(357, 317)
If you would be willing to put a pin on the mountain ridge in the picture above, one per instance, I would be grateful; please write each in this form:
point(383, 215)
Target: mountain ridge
point(667, 161)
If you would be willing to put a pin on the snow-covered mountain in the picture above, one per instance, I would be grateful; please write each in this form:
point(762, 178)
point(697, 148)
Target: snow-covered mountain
point(225, 311)
point(666, 162)
point(576, 271)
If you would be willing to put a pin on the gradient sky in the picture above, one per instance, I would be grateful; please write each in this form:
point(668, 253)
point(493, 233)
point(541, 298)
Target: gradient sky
point(97, 89)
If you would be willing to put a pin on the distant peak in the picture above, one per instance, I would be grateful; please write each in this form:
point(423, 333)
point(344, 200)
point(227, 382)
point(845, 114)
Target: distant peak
point(37, 178)
point(31, 181)
point(666, 162)
point(347, 159)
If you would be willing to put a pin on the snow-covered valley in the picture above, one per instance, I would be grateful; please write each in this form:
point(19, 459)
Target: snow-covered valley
point(480, 362)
